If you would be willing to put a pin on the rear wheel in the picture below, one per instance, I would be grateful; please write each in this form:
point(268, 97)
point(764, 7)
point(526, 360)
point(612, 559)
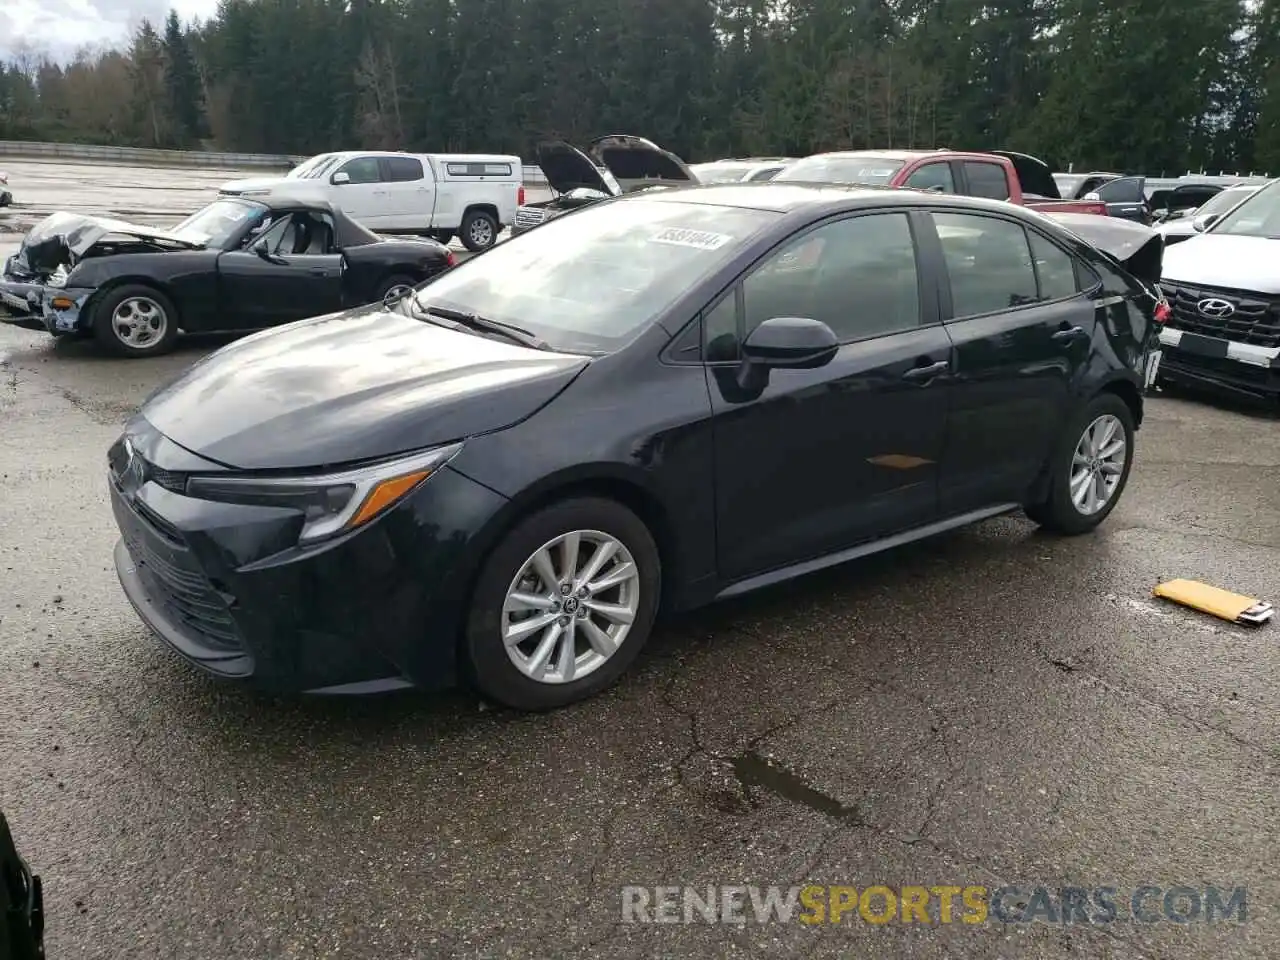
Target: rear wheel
point(563, 605)
point(394, 288)
point(135, 321)
point(479, 230)
point(1089, 468)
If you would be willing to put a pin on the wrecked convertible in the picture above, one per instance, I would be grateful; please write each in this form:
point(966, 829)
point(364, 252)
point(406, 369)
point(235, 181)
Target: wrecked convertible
point(236, 265)
point(618, 164)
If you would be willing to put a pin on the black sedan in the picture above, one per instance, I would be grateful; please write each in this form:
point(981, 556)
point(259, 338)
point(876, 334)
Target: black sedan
point(236, 265)
point(687, 394)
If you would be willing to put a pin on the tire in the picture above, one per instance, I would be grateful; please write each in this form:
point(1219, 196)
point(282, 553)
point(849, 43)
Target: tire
point(479, 230)
point(1059, 512)
point(141, 301)
point(387, 287)
point(511, 566)
point(442, 236)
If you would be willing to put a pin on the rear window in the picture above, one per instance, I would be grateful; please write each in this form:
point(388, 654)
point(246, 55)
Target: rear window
point(403, 169)
point(869, 169)
point(987, 180)
point(478, 169)
point(591, 281)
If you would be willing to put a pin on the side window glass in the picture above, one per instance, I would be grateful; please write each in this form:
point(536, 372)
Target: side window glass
point(987, 180)
point(720, 330)
point(988, 261)
point(272, 232)
point(404, 169)
point(361, 170)
point(1054, 268)
point(858, 276)
point(932, 176)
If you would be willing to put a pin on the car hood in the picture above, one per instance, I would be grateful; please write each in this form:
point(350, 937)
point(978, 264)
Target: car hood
point(352, 386)
point(263, 184)
point(49, 242)
point(638, 162)
point(568, 168)
point(1223, 260)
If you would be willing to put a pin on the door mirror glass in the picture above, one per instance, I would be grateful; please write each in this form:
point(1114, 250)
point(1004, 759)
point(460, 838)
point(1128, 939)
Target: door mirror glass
point(1092, 195)
point(1202, 223)
point(340, 177)
point(791, 342)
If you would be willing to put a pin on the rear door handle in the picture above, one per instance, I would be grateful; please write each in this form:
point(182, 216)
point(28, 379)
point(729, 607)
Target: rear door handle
point(1069, 335)
point(927, 372)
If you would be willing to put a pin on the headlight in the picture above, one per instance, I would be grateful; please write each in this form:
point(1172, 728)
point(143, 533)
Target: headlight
point(58, 278)
point(333, 503)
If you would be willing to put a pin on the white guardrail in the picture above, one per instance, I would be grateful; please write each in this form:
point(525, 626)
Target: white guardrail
point(182, 158)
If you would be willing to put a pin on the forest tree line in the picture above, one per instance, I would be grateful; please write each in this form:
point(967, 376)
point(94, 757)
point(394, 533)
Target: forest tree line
point(1130, 85)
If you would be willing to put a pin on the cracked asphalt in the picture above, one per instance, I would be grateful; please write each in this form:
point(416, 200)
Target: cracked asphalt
point(995, 707)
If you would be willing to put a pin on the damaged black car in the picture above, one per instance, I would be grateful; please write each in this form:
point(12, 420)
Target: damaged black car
point(236, 265)
point(617, 164)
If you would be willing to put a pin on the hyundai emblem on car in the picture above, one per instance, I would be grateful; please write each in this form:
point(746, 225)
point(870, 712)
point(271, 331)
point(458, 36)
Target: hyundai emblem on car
point(1216, 308)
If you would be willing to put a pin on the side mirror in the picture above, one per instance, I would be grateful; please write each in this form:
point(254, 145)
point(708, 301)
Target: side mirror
point(1202, 223)
point(796, 343)
point(340, 177)
point(1092, 195)
point(262, 250)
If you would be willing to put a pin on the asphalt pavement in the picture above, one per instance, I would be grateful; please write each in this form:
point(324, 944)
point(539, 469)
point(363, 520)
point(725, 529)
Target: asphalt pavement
point(994, 708)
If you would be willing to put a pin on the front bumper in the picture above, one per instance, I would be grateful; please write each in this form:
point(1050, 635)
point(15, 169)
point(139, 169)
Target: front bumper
point(1244, 369)
point(227, 588)
point(35, 306)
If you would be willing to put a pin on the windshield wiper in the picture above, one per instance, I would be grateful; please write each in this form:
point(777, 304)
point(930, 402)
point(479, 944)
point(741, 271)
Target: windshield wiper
point(485, 325)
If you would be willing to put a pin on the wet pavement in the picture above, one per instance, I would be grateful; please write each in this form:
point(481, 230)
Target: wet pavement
point(996, 707)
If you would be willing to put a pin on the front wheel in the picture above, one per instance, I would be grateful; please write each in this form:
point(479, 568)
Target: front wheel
point(563, 605)
point(135, 321)
point(1089, 468)
point(479, 231)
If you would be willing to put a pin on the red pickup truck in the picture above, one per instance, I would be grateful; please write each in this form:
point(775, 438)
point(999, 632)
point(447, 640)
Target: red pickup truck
point(1002, 175)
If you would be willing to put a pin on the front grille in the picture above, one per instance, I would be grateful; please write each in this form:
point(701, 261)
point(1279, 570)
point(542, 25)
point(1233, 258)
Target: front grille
point(527, 217)
point(1254, 318)
point(175, 582)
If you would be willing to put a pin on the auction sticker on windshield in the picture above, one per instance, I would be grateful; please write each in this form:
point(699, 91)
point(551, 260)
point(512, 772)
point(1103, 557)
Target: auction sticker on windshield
point(698, 239)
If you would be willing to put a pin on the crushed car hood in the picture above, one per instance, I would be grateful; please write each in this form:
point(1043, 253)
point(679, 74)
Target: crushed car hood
point(1223, 260)
point(46, 243)
point(352, 386)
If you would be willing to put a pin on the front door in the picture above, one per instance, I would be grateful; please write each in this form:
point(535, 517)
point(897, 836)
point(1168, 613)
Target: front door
point(363, 196)
point(822, 459)
point(1126, 198)
point(1021, 328)
point(301, 275)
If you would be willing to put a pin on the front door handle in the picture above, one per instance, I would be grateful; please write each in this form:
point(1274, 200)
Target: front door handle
point(1069, 335)
point(927, 372)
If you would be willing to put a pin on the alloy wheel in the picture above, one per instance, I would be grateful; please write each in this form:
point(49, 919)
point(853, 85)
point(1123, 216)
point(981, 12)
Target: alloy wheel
point(139, 322)
point(1098, 464)
point(481, 232)
point(395, 294)
point(570, 607)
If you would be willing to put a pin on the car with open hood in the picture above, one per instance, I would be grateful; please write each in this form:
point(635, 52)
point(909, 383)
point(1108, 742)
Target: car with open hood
point(678, 394)
point(238, 264)
point(743, 170)
point(1185, 222)
point(1224, 286)
point(618, 164)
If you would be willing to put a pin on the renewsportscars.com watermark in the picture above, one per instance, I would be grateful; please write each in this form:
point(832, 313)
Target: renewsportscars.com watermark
point(877, 904)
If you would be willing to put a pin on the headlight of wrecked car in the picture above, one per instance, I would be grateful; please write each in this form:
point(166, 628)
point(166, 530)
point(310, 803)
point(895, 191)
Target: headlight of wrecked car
point(58, 278)
point(335, 502)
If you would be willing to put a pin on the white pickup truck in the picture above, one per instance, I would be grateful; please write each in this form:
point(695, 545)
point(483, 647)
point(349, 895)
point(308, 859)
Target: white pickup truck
point(438, 195)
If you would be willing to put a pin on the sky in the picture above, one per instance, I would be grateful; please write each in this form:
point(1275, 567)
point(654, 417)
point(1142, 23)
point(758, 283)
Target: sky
point(60, 27)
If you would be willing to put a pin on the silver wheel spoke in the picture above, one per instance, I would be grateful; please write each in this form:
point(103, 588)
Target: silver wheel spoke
point(604, 553)
point(1111, 449)
point(610, 611)
point(569, 557)
point(1112, 469)
point(619, 574)
point(568, 652)
point(545, 569)
point(529, 601)
point(600, 641)
point(523, 629)
point(546, 646)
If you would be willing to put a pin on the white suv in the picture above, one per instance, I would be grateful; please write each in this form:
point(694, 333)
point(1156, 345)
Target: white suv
point(440, 195)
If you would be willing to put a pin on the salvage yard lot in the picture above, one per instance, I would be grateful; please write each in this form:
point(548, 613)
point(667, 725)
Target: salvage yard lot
point(994, 707)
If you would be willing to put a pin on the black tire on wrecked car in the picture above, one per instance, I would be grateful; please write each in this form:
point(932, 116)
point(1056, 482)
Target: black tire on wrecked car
point(563, 605)
point(135, 320)
point(393, 288)
point(479, 230)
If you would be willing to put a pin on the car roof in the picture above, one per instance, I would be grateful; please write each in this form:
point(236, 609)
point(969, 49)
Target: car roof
point(903, 155)
point(790, 196)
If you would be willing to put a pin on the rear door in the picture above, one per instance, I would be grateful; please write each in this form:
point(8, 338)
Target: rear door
point(1021, 327)
point(1125, 198)
point(821, 459)
point(936, 176)
point(410, 193)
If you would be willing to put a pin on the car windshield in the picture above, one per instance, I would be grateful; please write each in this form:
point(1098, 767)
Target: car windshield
point(591, 281)
point(1257, 216)
point(1225, 200)
point(1068, 183)
point(856, 168)
point(720, 172)
point(308, 168)
point(215, 224)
